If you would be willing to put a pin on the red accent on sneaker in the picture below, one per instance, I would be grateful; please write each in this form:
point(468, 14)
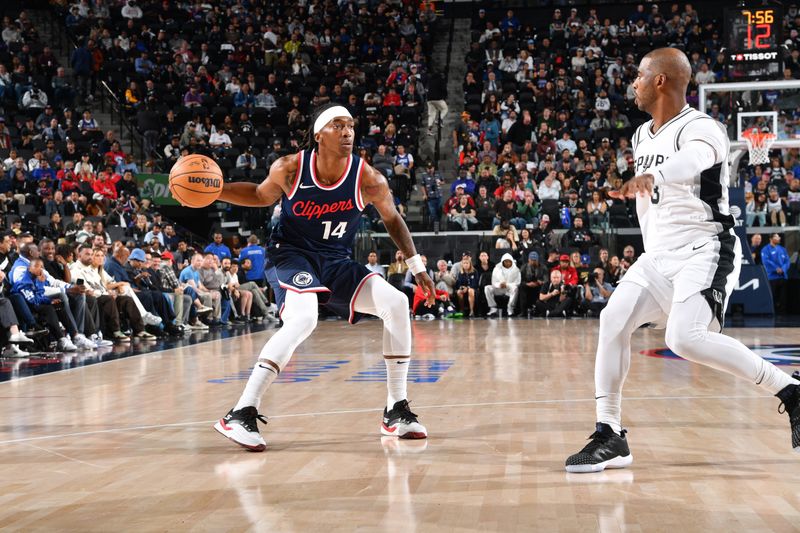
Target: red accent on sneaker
point(390, 430)
point(414, 435)
point(224, 426)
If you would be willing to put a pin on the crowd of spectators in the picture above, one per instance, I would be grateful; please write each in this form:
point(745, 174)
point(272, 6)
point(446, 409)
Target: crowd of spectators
point(238, 81)
point(536, 283)
point(549, 114)
point(82, 290)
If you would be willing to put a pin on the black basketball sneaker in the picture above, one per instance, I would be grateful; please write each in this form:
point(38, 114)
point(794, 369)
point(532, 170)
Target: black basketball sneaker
point(790, 403)
point(606, 449)
point(401, 422)
point(242, 428)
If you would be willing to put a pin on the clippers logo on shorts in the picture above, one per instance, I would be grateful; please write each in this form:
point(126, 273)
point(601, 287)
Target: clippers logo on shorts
point(302, 279)
point(318, 217)
point(779, 354)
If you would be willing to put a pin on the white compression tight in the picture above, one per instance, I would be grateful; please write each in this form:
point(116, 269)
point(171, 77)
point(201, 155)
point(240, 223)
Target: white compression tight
point(299, 316)
point(299, 320)
point(687, 335)
point(379, 298)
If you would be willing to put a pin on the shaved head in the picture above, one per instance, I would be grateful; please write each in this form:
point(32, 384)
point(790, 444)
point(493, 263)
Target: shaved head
point(660, 85)
point(671, 62)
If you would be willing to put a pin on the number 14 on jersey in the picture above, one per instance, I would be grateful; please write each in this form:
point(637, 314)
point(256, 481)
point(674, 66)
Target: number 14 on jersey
point(337, 232)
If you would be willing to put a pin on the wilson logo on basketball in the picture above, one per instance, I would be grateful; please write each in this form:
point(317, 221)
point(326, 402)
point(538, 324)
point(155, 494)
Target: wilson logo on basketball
point(311, 209)
point(207, 182)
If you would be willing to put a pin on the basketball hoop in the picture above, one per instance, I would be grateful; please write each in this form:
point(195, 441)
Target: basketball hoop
point(758, 145)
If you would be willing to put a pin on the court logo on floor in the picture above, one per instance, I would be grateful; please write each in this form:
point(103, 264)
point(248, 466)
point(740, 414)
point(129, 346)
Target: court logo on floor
point(779, 354)
point(299, 370)
point(419, 371)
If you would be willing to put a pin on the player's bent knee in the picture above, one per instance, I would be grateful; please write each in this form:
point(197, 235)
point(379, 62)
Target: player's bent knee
point(395, 305)
point(685, 341)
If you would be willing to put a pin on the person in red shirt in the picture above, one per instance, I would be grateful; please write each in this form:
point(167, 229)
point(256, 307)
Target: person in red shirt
point(568, 273)
point(104, 186)
point(392, 99)
point(66, 176)
point(453, 200)
point(441, 296)
point(115, 153)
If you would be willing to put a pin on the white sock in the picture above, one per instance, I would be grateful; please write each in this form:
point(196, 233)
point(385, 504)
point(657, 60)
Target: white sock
point(772, 378)
point(396, 374)
point(262, 377)
point(609, 410)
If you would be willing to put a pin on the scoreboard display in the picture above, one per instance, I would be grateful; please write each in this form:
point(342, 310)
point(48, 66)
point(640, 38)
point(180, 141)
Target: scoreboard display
point(753, 38)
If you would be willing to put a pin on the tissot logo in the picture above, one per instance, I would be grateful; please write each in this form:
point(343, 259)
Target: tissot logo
point(755, 56)
point(780, 354)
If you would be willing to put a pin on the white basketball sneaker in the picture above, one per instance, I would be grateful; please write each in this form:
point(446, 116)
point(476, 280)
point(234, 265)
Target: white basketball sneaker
point(401, 422)
point(242, 428)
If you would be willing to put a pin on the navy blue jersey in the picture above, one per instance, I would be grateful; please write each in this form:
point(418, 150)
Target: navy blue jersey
point(321, 218)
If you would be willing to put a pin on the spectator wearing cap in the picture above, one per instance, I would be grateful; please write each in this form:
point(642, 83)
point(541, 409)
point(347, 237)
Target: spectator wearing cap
point(533, 276)
point(145, 286)
point(247, 161)
point(461, 133)
point(432, 181)
point(464, 181)
point(276, 152)
point(463, 215)
point(578, 236)
point(568, 272)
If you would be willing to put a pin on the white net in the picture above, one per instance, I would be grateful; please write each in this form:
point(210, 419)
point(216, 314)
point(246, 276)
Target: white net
point(758, 144)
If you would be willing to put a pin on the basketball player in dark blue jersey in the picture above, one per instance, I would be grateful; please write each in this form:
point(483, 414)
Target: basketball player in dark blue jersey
point(323, 190)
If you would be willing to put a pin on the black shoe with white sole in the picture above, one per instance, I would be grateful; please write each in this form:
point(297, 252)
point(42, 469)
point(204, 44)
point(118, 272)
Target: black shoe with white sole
point(606, 449)
point(790, 404)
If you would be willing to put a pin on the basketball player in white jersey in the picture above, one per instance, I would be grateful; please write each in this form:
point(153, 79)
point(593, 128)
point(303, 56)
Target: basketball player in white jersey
point(691, 261)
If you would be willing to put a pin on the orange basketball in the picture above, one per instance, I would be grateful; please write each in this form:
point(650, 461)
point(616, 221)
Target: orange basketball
point(195, 180)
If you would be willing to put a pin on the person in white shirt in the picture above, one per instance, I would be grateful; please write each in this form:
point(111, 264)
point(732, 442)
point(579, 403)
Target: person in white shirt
point(506, 279)
point(550, 187)
point(691, 262)
point(131, 11)
point(704, 75)
point(373, 265)
point(219, 140)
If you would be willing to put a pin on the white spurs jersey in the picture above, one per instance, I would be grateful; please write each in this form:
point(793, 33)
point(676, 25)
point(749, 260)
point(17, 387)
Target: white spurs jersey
point(679, 214)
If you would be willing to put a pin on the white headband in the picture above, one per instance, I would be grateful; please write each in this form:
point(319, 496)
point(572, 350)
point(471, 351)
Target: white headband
point(330, 114)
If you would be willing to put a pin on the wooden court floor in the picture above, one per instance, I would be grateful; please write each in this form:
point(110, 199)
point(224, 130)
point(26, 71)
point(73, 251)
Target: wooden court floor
point(128, 445)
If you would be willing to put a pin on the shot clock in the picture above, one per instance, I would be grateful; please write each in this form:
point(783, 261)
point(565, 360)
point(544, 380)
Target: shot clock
point(753, 39)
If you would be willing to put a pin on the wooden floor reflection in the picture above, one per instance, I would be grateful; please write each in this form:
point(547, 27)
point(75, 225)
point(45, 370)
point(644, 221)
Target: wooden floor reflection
point(128, 445)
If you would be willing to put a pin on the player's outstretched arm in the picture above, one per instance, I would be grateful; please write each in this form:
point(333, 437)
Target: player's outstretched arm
point(280, 180)
point(375, 190)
